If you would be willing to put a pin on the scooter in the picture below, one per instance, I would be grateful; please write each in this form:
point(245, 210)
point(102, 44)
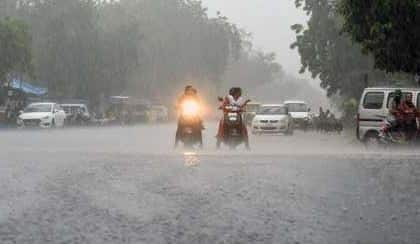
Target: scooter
point(389, 135)
point(233, 123)
point(190, 125)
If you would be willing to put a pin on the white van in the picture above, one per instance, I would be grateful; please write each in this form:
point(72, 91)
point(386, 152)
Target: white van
point(300, 113)
point(374, 108)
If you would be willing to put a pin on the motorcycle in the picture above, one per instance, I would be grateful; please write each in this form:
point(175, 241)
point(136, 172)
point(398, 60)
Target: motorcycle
point(233, 128)
point(395, 135)
point(190, 124)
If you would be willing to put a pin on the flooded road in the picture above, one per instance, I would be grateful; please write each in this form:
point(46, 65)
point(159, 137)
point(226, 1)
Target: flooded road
point(128, 185)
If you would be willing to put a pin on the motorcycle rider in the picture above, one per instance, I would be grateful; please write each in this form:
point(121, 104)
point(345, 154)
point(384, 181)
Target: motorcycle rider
point(396, 114)
point(410, 114)
point(190, 93)
point(238, 103)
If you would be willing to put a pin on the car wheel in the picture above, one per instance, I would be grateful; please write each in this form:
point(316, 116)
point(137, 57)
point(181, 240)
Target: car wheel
point(372, 140)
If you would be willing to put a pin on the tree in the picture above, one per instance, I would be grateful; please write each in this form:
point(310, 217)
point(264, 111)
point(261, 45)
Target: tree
point(15, 48)
point(331, 56)
point(388, 29)
point(148, 48)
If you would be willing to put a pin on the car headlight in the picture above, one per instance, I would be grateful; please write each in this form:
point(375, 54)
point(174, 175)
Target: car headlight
point(19, 120)
point(46, 117)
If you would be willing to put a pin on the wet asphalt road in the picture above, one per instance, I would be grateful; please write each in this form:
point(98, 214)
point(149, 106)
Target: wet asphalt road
point(128, 185)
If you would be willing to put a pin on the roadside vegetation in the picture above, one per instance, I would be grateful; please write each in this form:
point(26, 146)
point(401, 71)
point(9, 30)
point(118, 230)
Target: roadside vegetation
point(91, 49)
point(349, 45)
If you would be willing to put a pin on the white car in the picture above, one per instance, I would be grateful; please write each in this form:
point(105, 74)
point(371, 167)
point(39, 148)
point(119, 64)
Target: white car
point(273, 118)
point(44, 115)
point(299, 112)
point(160, 113)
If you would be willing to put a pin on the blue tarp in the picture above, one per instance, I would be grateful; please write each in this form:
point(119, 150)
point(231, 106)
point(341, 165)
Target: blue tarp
point(28, 88)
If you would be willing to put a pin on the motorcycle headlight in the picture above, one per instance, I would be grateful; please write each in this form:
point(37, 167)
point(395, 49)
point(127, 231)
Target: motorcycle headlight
point(190, 108)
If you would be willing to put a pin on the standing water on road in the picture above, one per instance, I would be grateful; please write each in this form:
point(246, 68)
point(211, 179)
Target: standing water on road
point(209, 121)
point(119, 185)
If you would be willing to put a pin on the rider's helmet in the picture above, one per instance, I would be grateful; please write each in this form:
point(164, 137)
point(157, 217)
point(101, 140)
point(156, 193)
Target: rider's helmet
point(232, 91)
point(188, 88)
point(236, 91)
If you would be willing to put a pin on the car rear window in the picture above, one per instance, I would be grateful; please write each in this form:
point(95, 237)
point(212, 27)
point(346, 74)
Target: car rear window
point(392, 95)
point(373, 100)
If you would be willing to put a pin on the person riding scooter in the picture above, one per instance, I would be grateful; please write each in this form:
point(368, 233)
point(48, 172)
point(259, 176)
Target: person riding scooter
point(402, 116)
point(236, 103)
point(410, 114)
point(395, 117)
point(191, 100)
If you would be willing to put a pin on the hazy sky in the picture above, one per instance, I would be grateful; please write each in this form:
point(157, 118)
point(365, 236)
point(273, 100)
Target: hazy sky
point(269, 21)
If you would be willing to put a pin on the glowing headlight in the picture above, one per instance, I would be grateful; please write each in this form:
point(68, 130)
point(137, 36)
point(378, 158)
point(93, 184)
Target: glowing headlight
point(190, 108)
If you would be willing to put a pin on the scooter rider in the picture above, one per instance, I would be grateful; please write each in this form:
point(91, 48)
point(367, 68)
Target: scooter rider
point(395, 117)
point(410, 115)
point(190, 93)
point(238, 103)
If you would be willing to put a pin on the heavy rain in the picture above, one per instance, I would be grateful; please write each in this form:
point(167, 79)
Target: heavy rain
point(184, 121)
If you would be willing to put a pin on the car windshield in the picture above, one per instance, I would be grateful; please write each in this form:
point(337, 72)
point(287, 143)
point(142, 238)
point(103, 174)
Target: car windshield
point(273, 110)
point(38, 108)
point(297, 107)
point(73, 109)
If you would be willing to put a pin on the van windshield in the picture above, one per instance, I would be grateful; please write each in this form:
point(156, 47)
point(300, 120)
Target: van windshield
point(297, 107)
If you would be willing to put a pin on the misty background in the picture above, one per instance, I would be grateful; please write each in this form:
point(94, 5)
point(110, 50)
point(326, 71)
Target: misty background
point(269, 22)
point(151, 49)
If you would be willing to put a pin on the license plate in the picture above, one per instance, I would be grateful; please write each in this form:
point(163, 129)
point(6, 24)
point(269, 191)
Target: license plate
point(268, 128)
point(31, 123)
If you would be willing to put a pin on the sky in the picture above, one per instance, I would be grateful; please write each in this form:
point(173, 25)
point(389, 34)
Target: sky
point(269, 21)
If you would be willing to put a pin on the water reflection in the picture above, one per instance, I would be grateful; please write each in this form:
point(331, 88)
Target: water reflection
point(191, 159)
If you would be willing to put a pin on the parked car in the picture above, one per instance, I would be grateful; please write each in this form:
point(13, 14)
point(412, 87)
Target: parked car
point(374, 109)
point(128, 110)
point(274, 118)
point(159, 113)
point(300, 113)
point(76, 114)
point(44, 115)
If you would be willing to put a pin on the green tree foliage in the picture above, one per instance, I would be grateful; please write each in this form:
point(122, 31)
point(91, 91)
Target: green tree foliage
point(388, 29)
point(331, 56)
point(15, 48)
